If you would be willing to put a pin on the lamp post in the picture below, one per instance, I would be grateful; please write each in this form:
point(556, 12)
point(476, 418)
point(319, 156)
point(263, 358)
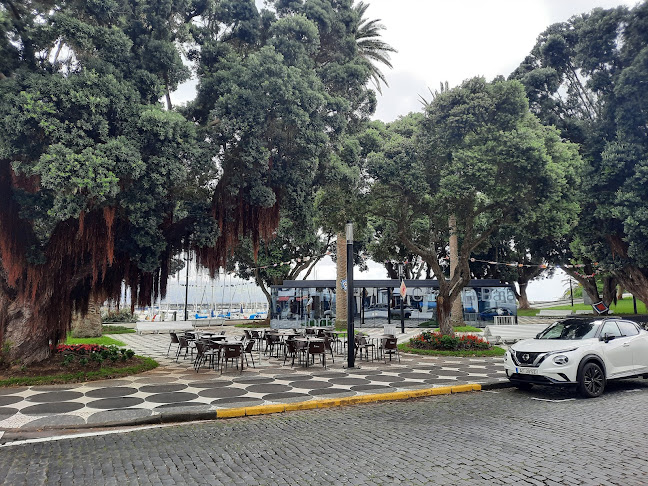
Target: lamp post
point(350, 330)
point(186, 316)
point(402, 311)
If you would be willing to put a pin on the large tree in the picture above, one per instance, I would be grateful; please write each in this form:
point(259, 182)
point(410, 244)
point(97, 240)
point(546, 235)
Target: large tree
point(91, 166)
point(587, 77)
point(481, 156)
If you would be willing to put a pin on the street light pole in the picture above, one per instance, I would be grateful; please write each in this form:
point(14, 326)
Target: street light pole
point(402, 311)
point(350, 330)
point(186, 316)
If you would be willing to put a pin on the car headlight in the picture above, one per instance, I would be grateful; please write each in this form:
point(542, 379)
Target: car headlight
point(561, 359)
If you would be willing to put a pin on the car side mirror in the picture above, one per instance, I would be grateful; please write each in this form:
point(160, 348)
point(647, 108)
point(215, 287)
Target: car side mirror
point(607, 337)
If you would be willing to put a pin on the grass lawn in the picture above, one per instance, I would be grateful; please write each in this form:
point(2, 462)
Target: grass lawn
point(496, 351)
point(116, 330)
point(253, 325)
point(623, 307)
point(103, 340)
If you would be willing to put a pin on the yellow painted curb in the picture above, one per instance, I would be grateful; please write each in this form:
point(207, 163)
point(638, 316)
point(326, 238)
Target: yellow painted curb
point(301, 406)
point(331, 402)
point(337, 402)
point(426, 392)
point(265, 409)
point(230, 412)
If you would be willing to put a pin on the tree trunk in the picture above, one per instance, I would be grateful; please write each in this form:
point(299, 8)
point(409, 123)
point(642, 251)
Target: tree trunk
point(443, 315)
point(24, 339)
point(588, 283)
point(634, 280)
point(88, 326)
point(340, 294)
point(620, 291)
point(609, 289)
point(523, 299)
point(456, 314)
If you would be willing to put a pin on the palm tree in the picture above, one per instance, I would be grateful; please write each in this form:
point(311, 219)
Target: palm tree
point(370, 46)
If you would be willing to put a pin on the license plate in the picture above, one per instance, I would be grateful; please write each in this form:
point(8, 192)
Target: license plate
point(527, 371)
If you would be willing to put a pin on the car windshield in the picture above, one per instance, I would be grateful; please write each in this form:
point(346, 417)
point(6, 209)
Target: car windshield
point(570, 330)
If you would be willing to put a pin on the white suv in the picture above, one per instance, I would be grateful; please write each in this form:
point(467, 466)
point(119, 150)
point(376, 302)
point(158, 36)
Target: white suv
point(579, 352)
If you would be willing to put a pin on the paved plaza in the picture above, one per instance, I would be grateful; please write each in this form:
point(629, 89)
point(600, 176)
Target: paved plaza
point(174, 391)
point(542, 437)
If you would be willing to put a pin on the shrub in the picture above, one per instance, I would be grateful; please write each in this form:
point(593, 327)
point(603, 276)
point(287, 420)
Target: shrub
point(93, 352)
point(123, 315)
point(437, 341)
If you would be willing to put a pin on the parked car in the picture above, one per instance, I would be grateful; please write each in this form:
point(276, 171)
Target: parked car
point(380, 310)
point(491, 312)
point(581, 353)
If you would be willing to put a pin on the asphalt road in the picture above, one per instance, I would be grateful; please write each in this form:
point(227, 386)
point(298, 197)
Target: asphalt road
point(505, 436)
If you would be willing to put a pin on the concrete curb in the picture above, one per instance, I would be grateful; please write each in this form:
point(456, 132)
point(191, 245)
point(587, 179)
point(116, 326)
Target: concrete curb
point(224, 413)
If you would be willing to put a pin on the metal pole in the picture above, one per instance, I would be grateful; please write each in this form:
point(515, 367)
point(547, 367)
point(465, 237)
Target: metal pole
point(571, 292)
point(400, 274)
point(186, 316)
point(389, 298)
point(634, 303)
point(350, 330)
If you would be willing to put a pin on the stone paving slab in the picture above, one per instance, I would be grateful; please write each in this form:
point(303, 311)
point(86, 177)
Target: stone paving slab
point(174, 387)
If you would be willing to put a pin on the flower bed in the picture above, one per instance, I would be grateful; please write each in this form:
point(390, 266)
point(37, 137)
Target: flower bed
point(437, 341)
point(93, 353)
point(80, 349)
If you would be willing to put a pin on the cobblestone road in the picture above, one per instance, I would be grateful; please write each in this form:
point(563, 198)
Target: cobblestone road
point(540, 437)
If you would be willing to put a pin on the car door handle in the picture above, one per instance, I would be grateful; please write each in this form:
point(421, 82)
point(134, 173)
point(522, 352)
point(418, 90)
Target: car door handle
point(625, 345)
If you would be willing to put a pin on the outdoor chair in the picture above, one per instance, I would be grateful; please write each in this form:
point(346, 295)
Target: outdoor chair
point(256, 335)
point(334, 340)
point(327, 345)
point(233, 353)
point(361, 344)
point(316, 348)
point(272, 341)
point(174, 340)
point(293, 349)
point(389, 347)
point(187, 345)
point(204, 352)
point(248, 335)
point(249, 347)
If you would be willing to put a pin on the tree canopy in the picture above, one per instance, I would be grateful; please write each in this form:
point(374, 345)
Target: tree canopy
point(477, 155)
point(585, 76)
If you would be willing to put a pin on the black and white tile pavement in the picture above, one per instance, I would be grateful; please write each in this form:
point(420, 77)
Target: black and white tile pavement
point(174, 387)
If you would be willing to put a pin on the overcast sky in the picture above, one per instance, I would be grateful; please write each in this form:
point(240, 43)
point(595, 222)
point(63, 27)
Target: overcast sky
point(440, 40)
point(443, 40)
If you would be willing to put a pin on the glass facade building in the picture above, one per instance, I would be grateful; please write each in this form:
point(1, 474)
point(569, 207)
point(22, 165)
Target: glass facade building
point(308, 302)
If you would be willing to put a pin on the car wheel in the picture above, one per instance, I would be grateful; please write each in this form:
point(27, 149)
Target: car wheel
point(592, 380)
